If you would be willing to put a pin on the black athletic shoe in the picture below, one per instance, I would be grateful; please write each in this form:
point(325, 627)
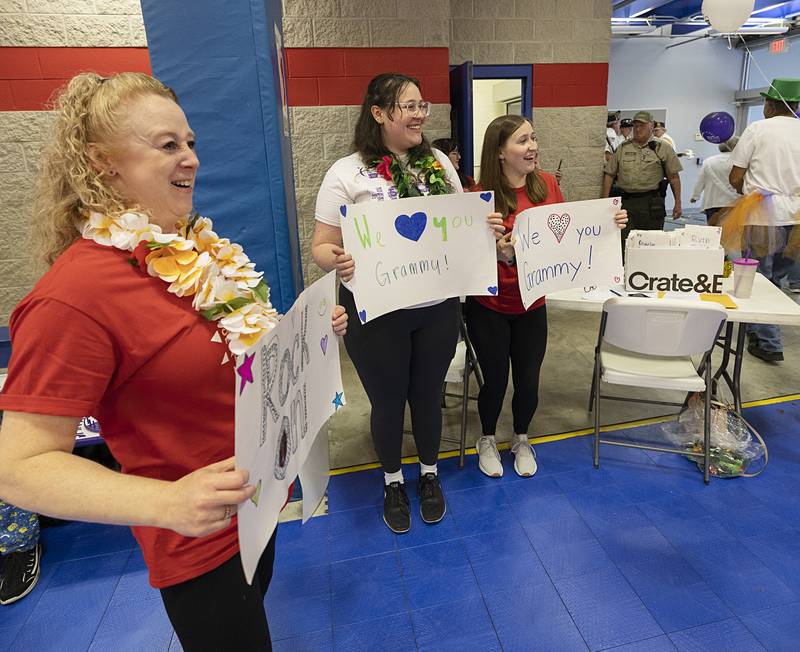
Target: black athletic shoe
point(431, 499)
point(20, 574)
point(766, 356)
point(396, 513)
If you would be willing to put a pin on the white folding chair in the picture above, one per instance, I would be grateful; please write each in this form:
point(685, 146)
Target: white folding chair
point(646, 342)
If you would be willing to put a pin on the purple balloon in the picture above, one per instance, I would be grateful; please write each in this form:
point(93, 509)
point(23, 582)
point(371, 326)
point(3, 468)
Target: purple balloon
point(717, 127)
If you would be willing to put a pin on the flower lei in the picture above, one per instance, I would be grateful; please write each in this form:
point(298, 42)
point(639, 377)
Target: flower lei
point(431, 173)
point(195, 262)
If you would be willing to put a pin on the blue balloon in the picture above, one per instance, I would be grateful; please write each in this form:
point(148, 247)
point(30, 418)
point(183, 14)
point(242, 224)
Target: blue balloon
point(717, 127)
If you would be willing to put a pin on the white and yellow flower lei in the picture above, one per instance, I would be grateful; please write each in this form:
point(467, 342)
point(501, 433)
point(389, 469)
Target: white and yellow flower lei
point(197, 263)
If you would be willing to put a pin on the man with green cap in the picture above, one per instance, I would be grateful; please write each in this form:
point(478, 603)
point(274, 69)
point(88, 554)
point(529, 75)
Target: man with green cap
point(639, 165)
point(767, 160)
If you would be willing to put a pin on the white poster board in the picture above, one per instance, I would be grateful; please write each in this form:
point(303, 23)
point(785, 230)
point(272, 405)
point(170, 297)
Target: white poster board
point(562, 246)
point(409, 251)
point(287, 385)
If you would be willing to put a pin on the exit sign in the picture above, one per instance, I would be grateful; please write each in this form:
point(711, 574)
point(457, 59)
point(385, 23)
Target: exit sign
point(778, 46)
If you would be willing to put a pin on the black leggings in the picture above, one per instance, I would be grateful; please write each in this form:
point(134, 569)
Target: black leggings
point(219, 610)
point(498, 338)
point(403, 356)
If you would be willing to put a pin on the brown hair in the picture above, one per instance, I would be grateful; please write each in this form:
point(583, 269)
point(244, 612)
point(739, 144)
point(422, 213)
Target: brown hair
point(90, 109)
point(782, 107)
point(492, 176)
point(383, 91)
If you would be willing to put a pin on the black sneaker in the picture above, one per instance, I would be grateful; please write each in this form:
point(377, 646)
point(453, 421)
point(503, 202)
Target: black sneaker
point(766, 356)
point(431, 499)
point(396, 513)
point(20, 574)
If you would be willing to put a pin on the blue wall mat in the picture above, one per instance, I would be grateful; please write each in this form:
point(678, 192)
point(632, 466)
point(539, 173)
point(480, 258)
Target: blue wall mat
point(221, 59)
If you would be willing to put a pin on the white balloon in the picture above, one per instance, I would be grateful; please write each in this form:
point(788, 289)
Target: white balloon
point(727, 15)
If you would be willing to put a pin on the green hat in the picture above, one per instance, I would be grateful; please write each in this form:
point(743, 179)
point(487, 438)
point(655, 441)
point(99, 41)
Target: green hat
point(643, 116)
point(784, 89)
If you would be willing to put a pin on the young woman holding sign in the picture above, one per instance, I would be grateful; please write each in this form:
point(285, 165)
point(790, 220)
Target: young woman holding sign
point(402, 356)
point(502, 331)
point(114, 329)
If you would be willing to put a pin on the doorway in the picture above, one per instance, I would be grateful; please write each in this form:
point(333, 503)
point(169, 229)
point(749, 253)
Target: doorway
point(480, 93)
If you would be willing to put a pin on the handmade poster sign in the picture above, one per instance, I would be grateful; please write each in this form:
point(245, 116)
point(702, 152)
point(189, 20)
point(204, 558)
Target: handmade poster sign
point(561, 246)
point(419, 249)
point(287, 386)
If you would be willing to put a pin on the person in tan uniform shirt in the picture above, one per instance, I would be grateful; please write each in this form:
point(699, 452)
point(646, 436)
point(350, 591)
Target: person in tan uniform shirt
point(639, 165)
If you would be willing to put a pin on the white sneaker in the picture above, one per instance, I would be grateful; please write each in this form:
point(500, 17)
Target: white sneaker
point(524, 457)
point(489, 457)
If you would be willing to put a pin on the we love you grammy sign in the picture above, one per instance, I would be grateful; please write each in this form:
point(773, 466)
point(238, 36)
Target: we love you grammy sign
point(561, 246)
point(419, 249)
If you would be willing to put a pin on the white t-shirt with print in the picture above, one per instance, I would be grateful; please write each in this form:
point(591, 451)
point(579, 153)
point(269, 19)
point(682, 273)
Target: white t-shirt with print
point(351, 181)
point(770, 150)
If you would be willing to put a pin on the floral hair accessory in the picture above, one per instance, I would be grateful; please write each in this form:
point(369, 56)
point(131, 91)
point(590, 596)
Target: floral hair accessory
point(196, 263)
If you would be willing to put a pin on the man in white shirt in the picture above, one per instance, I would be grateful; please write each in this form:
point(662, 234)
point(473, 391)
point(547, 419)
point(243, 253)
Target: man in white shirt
point(613, 136)
point(660, 131)
point(767, 160)
point(712, 183)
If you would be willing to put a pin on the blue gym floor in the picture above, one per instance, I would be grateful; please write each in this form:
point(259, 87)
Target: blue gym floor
point(639, 555)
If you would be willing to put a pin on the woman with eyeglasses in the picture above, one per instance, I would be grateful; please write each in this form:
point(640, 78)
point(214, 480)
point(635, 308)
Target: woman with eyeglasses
point(402, 356)
point(502, 331)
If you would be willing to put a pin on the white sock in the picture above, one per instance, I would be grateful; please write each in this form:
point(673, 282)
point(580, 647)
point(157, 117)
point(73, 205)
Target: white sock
point(490, 438)
point(397, 476)
point(521, 438)
point(424, 468)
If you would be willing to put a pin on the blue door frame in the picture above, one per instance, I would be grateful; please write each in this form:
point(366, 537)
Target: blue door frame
point(461, 77)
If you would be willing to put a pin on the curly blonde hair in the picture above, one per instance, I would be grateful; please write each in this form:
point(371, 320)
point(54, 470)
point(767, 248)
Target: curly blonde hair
point(89, 110)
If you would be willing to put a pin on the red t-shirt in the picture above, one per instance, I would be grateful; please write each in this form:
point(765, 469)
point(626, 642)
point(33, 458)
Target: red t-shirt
point(508, 299)
point(99, 337)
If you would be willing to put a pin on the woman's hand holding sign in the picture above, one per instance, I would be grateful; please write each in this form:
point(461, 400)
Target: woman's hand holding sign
point(621, 218)
point(495, 221)
point(344, 263)
point(505, 247)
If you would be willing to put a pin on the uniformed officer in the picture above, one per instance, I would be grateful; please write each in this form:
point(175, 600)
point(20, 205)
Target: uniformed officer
point(639, 165)
point(625, 128)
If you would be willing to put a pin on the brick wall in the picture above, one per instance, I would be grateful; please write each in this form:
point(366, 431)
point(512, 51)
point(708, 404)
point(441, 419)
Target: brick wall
point(52, 39)
point(334, 48)
point(567, 42)
point(43, 43)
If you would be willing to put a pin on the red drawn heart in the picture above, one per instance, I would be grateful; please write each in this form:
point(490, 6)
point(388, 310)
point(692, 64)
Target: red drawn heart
point(617, 279)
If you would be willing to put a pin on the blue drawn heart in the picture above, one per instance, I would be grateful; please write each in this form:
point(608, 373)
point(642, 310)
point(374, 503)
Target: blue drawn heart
point(362, 315)
point(343, 210)
point(411, 226)
point(486, 196)
point(492, 289)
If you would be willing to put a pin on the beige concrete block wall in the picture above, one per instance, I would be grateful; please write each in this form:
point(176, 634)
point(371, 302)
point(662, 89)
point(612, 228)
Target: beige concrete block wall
point(71, 23)
point(545, 31)
point(44, 23)
point(21, 135)
point(322, 134)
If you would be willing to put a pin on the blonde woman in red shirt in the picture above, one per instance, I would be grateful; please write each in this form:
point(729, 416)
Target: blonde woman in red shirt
point(503, 332)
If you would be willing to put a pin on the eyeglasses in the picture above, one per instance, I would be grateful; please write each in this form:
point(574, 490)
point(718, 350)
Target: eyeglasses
point(413, 108)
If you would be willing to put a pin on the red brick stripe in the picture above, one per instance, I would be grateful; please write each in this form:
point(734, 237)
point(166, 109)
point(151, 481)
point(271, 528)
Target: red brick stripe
point(570, 84)
point(29, 76)
point(339, 76)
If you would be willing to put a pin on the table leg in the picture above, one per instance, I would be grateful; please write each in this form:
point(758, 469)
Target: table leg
point(737, 367)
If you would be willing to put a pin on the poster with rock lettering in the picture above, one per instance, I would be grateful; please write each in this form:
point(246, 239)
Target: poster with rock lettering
point(287, 386)
point(568, 245)
point(419, 249)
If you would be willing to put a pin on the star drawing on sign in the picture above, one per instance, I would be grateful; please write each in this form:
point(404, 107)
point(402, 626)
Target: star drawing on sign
point(338, 400)
point(245, 370)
